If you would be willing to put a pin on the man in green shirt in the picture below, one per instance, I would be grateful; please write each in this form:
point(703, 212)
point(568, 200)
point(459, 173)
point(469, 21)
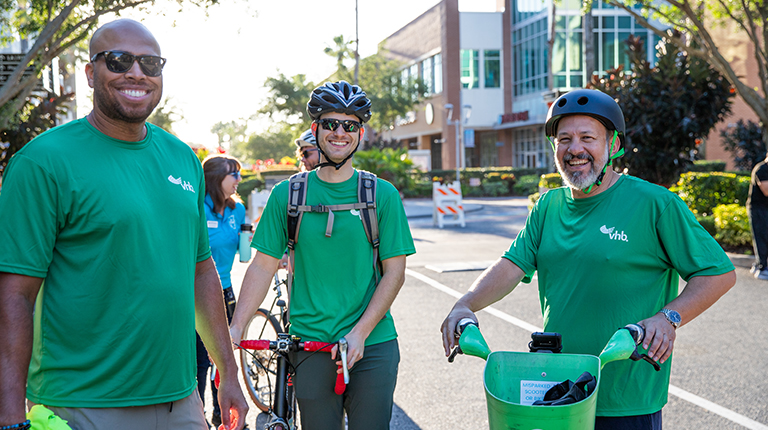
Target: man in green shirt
point(335, 293)
point(609, 250)
point(105, 238)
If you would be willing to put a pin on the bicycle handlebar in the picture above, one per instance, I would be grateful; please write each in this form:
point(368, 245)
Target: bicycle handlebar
point(286, 343)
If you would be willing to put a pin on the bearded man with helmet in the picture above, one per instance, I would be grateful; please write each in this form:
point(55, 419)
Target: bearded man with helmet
point(337, 292)
point(608, 249)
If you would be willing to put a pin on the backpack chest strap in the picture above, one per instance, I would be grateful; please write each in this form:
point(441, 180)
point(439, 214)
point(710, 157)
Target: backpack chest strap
point(330, 209)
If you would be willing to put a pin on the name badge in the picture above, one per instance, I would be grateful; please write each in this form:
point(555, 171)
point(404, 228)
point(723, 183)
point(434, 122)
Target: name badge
point(213, 224)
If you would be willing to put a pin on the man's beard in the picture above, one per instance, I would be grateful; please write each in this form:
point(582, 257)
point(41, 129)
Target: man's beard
point(109, 105)
point(580, 180)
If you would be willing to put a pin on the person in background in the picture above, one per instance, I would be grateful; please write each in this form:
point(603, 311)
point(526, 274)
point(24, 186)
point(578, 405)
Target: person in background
point(105, 244)
point(307, 152)
point(224, 214)
point(757, 209)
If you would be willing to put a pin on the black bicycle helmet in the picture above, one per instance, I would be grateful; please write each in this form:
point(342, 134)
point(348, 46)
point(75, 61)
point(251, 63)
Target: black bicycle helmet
point(341, 97)
point(593, 103)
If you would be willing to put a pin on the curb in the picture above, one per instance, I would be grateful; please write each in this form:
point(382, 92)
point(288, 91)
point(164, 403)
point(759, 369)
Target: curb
point(741, 260)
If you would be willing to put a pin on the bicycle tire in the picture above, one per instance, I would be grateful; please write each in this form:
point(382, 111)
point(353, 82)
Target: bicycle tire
point(259, 369)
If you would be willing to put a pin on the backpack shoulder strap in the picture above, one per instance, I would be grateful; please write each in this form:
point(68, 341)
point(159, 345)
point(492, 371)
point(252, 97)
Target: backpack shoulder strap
point(366, 190)
point(297, 198)
point(366, 194)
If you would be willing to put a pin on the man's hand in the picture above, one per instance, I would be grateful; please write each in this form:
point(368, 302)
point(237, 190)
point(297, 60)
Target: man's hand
point(355, 351)
point(448, 328)
point(659, 337)
point(231, 396)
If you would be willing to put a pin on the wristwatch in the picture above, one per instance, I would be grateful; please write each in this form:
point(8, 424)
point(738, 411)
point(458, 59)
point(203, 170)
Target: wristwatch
point(672, 316)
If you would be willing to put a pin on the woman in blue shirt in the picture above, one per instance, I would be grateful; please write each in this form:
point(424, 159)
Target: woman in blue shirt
point(225, 213)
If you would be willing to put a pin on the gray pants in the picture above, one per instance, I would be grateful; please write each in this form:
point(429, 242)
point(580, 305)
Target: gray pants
point(186, 413)
point(368, 399)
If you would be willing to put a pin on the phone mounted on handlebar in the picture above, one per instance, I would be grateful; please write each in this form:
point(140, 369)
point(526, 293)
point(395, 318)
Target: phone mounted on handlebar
point(546, 342)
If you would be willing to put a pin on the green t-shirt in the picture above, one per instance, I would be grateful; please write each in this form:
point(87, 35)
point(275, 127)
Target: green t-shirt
point(610, 260)
point(334, 277)
point(115, 229)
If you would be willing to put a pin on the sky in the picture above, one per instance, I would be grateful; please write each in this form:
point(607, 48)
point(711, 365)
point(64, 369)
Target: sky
point(217, 64)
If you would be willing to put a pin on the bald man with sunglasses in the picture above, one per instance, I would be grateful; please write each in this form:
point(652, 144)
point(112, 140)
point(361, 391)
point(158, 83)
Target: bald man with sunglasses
point(109, 247)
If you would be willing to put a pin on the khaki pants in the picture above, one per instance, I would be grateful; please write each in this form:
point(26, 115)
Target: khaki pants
point(183, 414)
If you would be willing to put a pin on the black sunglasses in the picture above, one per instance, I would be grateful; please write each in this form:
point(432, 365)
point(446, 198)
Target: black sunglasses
point(305, 153)
point(121, 62)
point(348, 125)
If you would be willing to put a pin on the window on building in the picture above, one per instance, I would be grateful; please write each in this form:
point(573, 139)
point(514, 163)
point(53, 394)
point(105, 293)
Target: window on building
point(427, 77)
point(438, 68)
point(529, 57)
point(470, 68)
point(492, 72)
point(531, 149)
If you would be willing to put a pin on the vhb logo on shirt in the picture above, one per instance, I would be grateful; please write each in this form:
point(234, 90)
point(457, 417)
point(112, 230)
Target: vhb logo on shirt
point(614, 235)
point(185, 185)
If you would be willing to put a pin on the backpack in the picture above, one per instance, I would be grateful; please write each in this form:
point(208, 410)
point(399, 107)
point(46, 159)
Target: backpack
point(366, 197)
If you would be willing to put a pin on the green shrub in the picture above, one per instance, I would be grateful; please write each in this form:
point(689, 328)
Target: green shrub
point(707, 166)
point(703, 191)
point(526, 185)
point(550, 181)
point(419, 189)
point(732, 225)
point(533, 198)
point(390, 164)
point(708, 222)
point(248, 184)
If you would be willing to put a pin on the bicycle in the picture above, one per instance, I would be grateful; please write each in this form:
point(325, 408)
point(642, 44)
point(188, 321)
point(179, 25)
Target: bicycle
point(268, 372)
point(519, 386)
point(257, 367)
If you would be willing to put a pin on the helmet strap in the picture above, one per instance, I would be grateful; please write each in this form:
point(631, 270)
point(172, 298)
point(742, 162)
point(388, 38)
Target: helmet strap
point(618, 154)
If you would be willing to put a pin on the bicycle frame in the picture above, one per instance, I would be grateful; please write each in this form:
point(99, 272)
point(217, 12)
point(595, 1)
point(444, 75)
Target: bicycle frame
point(281, 411)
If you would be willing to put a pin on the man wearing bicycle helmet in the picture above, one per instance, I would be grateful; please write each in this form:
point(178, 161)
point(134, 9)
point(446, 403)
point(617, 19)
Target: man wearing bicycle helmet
point(307, 152)
point(337, 291)
point(608, 250)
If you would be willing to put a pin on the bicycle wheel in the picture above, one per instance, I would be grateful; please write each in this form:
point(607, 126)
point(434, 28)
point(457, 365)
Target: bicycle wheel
point(259, 369)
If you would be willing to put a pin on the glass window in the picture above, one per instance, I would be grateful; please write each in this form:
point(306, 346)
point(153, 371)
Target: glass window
point(558, 53)
point(560, 23)
point(623, 57)
point(470, 65)
point(608, 22)
point(625, 22)
point(492, 69)
point(574, 51)
point(438, 73)
point(608, 51)
point(574, 22)
point(426, 75)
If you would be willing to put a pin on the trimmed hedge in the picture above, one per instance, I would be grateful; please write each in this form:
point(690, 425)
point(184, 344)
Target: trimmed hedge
point(732, 225)
point(703, 191)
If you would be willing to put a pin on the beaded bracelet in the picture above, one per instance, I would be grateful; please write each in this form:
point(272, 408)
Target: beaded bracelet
point(26, 425)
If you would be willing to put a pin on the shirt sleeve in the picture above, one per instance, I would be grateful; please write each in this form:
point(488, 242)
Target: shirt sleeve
point(691, 250)
point(29, 208)
point(203, 244)
point(395, 237)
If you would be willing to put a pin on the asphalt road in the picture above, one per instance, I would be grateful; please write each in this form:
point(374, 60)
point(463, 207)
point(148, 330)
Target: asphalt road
point(719, 366)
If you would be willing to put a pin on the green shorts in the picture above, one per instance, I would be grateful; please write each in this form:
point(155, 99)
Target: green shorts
point(367, 400)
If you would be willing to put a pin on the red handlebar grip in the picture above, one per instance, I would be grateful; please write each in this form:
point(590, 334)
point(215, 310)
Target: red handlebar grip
point(217, 379)
point(254, 344)
point(317, 346)
point(340, 385)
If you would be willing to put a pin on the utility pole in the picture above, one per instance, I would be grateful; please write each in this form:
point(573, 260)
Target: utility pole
point(357, 47)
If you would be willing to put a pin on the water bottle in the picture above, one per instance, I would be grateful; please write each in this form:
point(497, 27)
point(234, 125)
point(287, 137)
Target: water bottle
point(245, 242)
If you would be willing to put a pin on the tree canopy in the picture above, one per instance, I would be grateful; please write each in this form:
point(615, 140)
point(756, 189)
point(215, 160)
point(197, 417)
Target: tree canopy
point(695, 20)
point(668, 108)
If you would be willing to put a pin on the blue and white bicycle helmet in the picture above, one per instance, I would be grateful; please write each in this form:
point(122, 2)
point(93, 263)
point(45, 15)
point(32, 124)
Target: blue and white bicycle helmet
point(307, 139)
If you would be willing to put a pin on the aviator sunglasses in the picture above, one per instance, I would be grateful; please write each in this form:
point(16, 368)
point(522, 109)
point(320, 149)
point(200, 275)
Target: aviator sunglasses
point(332, 124)
point(121, 62)
point(307, 152)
